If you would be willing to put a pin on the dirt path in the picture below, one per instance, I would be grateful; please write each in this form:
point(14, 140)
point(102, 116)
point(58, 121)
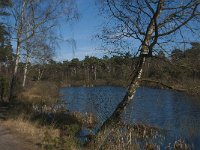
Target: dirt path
point(9, 140)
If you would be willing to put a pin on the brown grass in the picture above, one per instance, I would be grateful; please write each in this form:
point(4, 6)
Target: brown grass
point(31, 124)
point(86, 119)
point(40, 91)
point(29, 130)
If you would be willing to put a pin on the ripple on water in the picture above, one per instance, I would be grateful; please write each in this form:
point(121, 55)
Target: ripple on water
point(175, 112)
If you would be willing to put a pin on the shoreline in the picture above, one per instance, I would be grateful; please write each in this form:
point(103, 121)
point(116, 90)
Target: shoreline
point(144, 82)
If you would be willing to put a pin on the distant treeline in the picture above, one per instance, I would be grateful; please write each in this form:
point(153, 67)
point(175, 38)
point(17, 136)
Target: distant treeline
point(178, 67)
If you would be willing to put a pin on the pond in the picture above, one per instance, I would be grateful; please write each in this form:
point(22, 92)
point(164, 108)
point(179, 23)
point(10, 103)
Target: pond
point(175, 112)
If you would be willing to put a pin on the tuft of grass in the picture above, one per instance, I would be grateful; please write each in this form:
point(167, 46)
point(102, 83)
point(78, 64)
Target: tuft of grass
point(87, 119)
point(120, 139)
point(66, 140)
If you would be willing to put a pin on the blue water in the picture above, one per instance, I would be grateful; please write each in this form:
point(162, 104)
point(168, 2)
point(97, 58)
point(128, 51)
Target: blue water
point(175, 112)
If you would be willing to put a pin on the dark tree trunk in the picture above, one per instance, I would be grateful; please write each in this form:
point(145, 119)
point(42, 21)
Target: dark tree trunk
point(14, 77)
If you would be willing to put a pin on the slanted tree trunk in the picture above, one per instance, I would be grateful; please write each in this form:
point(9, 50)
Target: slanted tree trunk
point(113, 121)
point(146, 50)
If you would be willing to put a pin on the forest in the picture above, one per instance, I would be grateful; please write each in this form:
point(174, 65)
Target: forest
point(180, 69)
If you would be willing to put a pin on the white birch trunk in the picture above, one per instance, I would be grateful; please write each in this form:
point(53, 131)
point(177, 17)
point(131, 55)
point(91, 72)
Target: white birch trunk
point(113, 121)
point(13, 81)
point(19, 32)
point(26, 70)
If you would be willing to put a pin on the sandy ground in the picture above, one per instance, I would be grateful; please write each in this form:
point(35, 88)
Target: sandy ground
point(11, 141)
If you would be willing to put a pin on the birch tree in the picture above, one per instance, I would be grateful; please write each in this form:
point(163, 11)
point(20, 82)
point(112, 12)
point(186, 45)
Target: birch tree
point(151, 23)
point(42, 55)
point(28, 17)
point(39, 49)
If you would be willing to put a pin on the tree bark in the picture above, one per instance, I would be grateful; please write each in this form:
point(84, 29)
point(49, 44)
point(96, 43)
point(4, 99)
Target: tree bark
point(27, 59)
point(95, 73)
point(113, 121)
point(14, 77)
point(19, 32)
point(40, 73)
point(146, 50)
point(26, 70)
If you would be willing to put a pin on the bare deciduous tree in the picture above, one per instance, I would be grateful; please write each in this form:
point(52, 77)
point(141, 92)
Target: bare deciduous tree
point(28, 16)
point(150, 23)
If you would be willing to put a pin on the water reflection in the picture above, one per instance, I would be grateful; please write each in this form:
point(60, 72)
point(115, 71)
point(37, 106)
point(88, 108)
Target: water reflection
point(175, 112)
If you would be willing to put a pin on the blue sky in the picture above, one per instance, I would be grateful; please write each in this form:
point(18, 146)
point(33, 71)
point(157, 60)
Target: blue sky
point(83, 31)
